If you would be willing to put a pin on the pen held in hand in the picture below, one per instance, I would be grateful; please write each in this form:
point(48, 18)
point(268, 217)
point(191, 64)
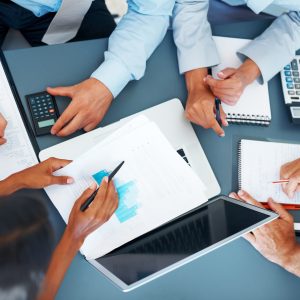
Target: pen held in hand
point(218, 112)
point(281, 181)
point(89, 200)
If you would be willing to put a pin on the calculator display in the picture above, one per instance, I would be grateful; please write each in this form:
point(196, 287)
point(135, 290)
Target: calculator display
point(46, 123)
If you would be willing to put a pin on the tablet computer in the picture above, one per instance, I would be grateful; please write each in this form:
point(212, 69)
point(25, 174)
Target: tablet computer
point(213, 224)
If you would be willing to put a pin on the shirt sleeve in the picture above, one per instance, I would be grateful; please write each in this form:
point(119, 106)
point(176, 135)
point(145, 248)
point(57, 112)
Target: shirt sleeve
point(135, 38)
point(275, 47)
point(193, 36)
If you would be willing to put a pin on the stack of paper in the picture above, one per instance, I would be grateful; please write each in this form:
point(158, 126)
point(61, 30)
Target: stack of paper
point(18, 153)
point(155, 185)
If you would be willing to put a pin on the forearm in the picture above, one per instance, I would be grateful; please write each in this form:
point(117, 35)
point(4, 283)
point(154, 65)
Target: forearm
point(133, 41)
point(292, 262)
point(61, 259)
point(276, 46)
point(10, 185)
point(193, 36)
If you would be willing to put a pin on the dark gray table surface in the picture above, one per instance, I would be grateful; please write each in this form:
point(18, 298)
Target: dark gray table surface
point(235, 271)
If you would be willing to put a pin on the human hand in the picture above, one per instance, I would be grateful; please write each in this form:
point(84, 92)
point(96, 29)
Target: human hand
point(90, 102)
point(276, 240)
point(200, 107)
point(291, 171)
point(3, 124)
point(41, 175)
point(82, 223)
point(233, 81)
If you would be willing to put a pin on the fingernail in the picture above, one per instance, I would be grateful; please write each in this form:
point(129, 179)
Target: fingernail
point(105, 179)
point(93, 186)
point(231, 195)
point(204, 79)
point(70, 180)
point(221, 73)
point(226, 123)
point(241, 193)
point(222, 134)
point(53, 131)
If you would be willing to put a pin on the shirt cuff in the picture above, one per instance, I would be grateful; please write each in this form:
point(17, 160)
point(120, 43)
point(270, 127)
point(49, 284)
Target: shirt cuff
point(199, 56)
point(114, 75)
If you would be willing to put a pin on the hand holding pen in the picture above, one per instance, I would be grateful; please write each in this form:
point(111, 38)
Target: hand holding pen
point(90, 199)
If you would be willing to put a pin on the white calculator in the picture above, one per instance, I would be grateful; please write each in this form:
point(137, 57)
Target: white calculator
point(290, 80)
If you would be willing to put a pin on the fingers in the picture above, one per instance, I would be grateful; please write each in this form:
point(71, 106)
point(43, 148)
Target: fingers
point(250, 238)
point(2, 141)
point(3, 124)
point(289, 168)
point(61, 180)
point(234, 196)
point(280, 210)
point(72, 126)
point(223, 117)
point(67, 91)
point(57, 163)
point(64, 119)
point(217, 84)
point(226, 73)
point(291, 187)
point(101, 195)
point(249, 199)
point(217, 128)
point(111, 200)
point(86, 194)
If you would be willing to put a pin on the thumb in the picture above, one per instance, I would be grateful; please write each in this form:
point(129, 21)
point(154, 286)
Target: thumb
point(280, 210)
point(2, 141)
point(66, 91)
point(226, 73)
point(85, 195)
point(61, 180)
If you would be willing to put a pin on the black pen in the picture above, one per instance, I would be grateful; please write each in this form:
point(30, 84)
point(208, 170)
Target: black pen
point(218, 113)
point(90, 199)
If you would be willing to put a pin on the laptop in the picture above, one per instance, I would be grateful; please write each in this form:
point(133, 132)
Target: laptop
point(169, 116)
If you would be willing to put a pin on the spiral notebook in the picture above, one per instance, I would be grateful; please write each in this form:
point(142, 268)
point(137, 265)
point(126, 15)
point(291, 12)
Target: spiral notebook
point(259, 165)
point(254, 105)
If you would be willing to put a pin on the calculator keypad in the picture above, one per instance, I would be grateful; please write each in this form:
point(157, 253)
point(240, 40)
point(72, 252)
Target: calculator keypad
point(42, 106)
point(291, 77)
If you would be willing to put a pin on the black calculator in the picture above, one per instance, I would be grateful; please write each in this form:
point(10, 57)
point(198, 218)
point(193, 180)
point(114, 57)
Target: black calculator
point(43, 110)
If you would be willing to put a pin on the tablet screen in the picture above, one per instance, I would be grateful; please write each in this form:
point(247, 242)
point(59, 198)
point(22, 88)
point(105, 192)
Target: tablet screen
point(175, 241)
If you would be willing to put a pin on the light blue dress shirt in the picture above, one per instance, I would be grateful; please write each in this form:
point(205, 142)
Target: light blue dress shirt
point(275, 47)
point(141, 30)
point(40, 7)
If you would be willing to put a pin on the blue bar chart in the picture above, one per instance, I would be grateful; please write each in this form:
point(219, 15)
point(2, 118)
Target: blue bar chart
point(128, 197)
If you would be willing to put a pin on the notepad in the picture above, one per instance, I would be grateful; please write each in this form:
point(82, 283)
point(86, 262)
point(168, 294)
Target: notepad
point(254, 104)
point(259, 165)
point(155, 185)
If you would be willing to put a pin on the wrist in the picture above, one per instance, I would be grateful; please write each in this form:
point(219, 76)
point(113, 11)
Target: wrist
point(291, 261)
point(194, 80)
point(10, 185)
point(72, 240)
point(248, 71)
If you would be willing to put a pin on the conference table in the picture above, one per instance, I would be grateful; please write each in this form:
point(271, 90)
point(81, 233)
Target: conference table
point(234, 271)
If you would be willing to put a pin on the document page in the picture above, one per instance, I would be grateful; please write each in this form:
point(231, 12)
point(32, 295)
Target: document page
point(260, 164)
point(18, 153)
point(155, 185)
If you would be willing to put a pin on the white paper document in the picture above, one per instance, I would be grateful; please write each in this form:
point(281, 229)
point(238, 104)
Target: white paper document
point(18, 153)
point(155, 185)
point(260, 164)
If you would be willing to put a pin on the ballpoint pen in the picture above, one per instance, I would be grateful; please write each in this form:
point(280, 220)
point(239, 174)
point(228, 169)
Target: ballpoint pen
point(89, 200)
